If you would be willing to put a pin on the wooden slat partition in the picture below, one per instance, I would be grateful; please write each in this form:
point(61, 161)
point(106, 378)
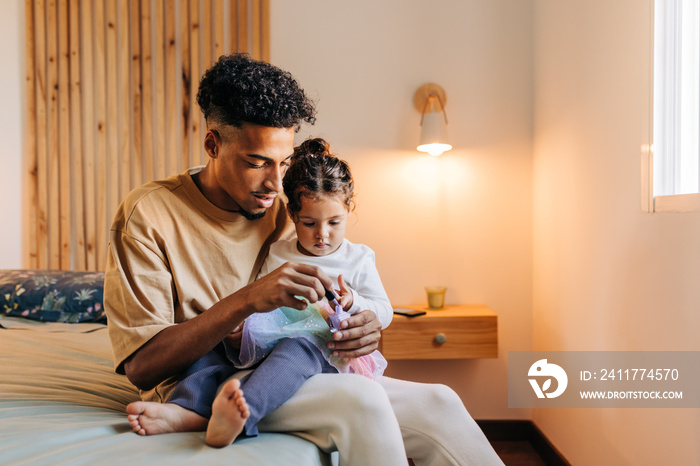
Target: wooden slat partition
point(111, 104)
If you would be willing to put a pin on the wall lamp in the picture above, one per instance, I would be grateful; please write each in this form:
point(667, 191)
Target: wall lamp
point(430, 101)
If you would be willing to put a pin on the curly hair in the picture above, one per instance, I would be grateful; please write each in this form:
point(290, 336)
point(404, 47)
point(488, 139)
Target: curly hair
point(314, 172)
point(238, 89)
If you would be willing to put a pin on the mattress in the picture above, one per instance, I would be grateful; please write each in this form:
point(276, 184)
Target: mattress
point(62, 403)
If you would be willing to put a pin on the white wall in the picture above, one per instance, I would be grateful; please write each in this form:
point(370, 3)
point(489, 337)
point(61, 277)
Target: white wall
point(606, 275)
point(463, 220)
point(11, 117)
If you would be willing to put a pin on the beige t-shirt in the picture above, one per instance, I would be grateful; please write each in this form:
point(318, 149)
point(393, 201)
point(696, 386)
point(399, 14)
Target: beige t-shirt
point(173, 255)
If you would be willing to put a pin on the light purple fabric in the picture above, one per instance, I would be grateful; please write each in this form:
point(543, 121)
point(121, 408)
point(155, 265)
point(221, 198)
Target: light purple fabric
point(338, 316)
point(262, 331)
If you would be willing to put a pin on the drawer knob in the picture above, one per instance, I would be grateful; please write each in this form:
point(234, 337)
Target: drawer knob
point(440, 338)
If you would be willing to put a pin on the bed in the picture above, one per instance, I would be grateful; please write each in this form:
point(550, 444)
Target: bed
point(61, 401)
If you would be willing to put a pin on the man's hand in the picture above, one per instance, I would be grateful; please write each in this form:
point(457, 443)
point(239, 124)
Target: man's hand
point(282, 286)
point(359, 337)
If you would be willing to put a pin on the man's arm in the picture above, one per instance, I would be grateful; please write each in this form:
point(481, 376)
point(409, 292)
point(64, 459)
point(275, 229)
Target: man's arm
point(175, 348)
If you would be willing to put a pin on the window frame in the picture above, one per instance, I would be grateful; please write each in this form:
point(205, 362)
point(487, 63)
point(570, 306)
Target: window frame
point(665, 175)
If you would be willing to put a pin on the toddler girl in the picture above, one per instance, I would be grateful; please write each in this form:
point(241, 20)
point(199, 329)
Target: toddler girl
point(319, 189)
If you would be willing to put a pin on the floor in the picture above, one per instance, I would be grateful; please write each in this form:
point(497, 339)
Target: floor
point(521, 443)
point(517, 453)
point(513, 453)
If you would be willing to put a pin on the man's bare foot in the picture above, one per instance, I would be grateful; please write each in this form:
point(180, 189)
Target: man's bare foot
point(151, 418)
point(229, 412)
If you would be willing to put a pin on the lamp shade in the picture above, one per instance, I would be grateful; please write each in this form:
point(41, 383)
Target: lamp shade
point(433, 135)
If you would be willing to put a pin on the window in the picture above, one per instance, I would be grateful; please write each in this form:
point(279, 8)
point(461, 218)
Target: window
point(676, 120)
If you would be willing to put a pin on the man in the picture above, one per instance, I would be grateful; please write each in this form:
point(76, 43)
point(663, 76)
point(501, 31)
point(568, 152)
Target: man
point(183, 256)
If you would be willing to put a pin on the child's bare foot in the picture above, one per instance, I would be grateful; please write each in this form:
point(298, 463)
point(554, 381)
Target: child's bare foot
point(151, 418)
point(229, 412)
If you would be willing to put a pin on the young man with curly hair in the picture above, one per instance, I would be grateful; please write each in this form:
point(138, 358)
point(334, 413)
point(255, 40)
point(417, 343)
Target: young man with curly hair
point(183, 256)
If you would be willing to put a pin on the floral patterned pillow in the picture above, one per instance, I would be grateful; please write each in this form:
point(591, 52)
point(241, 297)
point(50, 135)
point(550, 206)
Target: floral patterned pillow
point(52, 295)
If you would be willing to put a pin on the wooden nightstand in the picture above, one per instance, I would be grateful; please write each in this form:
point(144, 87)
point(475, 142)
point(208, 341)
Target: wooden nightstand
point(455, 332)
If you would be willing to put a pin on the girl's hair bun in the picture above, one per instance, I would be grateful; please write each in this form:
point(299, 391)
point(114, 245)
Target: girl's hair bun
point(314, 171)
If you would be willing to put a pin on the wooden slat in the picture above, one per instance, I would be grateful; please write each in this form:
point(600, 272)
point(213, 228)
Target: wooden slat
point(195, 69)
point(77, 153)
point(257, 46)
point(207, 38)
point(159, 54)
point(125, 143)
point(112, 110)
point(242, 21)
point(218, 29)
point(89, 133)
point(64, 153)
point(42, 135)
point(207, 33)
point(265, 29)
point(30, 139)
point(171, 86)
point(233, 26)
point(136, 104)
point(186, 81)
point(101, 127)
point(113, 121)
point(54, 178)
point(147, 90)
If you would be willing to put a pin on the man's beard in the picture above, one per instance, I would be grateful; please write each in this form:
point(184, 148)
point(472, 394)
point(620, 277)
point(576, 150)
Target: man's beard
point(250, 216)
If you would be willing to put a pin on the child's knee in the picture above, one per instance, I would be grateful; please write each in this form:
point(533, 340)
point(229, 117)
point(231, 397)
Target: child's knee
point(301, 353)
point(290, 344)
point(298, 348)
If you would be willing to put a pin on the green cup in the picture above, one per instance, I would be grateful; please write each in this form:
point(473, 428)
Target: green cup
point(436, 296)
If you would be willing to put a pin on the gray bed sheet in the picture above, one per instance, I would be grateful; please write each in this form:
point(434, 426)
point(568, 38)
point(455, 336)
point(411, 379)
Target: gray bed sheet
point(62, 403)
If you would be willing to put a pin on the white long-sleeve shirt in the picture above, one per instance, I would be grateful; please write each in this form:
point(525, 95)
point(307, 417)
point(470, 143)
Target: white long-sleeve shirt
point(354, 261)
